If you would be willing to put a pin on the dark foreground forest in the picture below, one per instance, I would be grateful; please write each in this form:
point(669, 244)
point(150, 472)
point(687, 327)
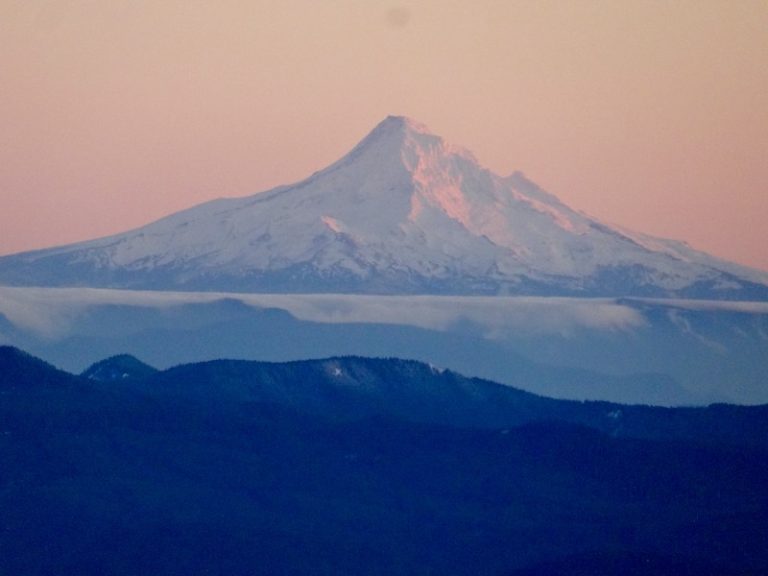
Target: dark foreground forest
point(364, 466)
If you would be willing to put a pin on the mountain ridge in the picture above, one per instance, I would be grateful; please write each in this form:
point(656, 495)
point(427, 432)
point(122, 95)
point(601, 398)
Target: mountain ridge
point(357, 388)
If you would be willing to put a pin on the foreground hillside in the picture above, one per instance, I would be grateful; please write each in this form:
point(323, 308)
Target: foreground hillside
point(361, 466)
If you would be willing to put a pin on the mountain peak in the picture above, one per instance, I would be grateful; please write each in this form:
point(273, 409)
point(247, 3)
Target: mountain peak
point(118, 368)
point(400, 142)
point(391, 136)
point(403, 123)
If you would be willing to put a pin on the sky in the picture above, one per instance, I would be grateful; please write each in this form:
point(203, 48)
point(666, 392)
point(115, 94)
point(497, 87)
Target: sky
point(652, 115)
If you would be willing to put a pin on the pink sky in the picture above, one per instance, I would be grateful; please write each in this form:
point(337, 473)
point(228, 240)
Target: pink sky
point(648, 114)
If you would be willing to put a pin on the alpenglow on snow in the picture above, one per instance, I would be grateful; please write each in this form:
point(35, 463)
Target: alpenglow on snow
point(403, 213)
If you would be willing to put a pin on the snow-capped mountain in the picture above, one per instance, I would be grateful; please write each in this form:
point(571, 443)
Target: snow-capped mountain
point(403, 212)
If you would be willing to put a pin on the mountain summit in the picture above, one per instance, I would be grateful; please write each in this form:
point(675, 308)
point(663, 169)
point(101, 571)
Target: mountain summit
point(403, 213)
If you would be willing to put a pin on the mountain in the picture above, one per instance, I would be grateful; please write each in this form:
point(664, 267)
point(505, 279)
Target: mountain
point(118, 368)
point(347, 466)
point(354, 389)
point(22, 371)
point(402, 213)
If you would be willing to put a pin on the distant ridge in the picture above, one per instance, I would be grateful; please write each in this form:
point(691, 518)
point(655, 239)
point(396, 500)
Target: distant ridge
point(403, 213)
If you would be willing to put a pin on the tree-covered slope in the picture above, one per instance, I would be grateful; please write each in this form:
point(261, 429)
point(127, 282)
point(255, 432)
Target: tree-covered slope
point(247, 468)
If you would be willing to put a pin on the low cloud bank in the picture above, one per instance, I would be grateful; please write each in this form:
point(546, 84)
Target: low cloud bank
point(54, 312)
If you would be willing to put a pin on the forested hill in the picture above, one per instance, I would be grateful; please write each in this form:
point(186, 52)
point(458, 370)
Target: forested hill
point(355, 465)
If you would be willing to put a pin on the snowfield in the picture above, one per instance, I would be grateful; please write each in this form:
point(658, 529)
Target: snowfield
point(402, 213)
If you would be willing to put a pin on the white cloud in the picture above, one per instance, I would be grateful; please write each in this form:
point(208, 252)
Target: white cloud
point(54, 312)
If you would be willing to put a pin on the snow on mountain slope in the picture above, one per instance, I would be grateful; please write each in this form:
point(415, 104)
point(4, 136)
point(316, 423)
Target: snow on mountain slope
point(403, 212)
